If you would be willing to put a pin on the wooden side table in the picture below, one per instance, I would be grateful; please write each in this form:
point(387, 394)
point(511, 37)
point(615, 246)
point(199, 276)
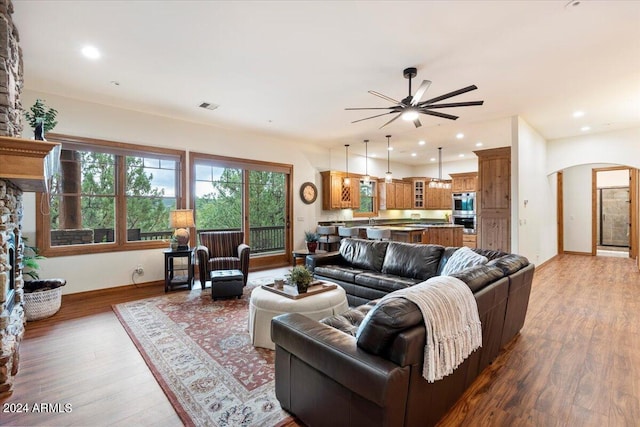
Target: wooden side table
point(178, 276)
point(302, 253)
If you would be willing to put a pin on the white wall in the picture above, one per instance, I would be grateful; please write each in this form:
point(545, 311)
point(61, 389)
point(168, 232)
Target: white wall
point(621, 147)
point(615, 178)
point(534, 201)
point(96, 271)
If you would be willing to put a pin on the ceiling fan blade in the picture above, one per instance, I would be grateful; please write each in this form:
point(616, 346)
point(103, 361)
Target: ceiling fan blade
point(421, 90)
point(448, 95)
point(443, 115)
point(390, 121)
point(378, 94)
point(372, 117)
point(372, 108)
point(417, 123)
point(455, 104)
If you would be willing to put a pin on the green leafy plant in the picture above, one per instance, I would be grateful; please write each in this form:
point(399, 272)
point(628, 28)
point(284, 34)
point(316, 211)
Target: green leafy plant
point(300, 277)
point(310, 236)
point(41, 114)
point(30, 258)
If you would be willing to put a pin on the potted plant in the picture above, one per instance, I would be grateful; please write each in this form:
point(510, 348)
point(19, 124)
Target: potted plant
point(41, 119)
point(311, 238)
point(300, 277)
point(42, 298)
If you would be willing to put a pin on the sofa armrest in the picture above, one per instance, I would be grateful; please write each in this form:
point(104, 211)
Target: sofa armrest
point(244, 251)
point(202, 253)
point(316, 260)
point(336, 355)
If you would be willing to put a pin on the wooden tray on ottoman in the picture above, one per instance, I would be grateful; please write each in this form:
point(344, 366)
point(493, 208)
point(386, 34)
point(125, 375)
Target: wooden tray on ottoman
point(291, 292)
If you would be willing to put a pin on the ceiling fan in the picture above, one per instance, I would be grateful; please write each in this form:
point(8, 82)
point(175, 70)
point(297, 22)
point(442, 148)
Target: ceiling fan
point(411, 107)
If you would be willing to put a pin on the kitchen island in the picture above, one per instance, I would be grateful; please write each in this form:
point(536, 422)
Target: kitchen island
point(439, 234)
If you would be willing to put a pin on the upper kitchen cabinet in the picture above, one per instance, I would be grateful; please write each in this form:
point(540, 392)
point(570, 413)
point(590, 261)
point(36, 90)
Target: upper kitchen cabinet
point(438, 198)
point(419, 193)
point(494, 199)
point(337, 195)
point(395, 195)
point(466, 182)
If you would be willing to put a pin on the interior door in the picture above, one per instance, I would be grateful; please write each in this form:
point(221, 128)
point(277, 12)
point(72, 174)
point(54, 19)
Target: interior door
point(614, 217)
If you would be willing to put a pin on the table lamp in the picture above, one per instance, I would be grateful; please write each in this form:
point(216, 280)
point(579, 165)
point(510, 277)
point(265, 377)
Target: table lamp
point(181, 220)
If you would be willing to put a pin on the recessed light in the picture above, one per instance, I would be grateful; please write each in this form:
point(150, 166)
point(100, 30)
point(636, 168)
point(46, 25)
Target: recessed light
point(91, 52)
point(413, 154)
point(577, 114)
point(478, 144)
point(460, 155)
point(460, 135)
point(585, 128)
point(421, 142)
point(433, 159)
point(374, 155)
point(390, 148)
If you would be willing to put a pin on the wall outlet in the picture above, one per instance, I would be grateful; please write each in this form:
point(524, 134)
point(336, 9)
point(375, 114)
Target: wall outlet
point(139, 270)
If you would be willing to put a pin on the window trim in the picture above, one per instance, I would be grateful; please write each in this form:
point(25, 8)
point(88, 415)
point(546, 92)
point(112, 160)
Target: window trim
point(374, 213)
point(43, 222)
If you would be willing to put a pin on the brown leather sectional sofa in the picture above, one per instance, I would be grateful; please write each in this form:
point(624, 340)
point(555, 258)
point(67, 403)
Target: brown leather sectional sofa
point(328, 377)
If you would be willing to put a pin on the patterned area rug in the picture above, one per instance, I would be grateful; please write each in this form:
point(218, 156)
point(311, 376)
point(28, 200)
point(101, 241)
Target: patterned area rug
point(201, 355)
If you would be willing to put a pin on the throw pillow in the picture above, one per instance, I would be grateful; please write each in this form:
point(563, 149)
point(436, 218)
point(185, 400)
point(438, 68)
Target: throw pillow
point(461, 259)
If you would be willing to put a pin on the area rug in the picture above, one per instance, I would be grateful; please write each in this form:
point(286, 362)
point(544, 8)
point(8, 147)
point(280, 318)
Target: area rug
point(201, 355)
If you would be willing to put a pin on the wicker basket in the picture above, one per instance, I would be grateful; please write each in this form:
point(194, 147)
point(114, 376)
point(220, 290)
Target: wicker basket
point(38, 305)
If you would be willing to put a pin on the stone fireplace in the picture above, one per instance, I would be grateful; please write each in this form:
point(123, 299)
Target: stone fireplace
point(11, 283)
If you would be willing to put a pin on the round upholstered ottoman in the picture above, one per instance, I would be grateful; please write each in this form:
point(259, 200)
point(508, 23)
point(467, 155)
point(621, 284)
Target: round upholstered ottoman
point(264, 305)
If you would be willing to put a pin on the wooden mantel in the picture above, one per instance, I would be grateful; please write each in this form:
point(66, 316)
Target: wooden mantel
point(22, 161)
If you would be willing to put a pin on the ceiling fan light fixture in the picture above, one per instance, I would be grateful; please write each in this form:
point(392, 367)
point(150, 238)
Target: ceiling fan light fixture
point(410, 114)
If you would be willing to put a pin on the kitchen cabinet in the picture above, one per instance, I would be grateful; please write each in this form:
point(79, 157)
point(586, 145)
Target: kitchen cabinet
point(337, 195)
point(469, 240)
point(395, 195)
point(446, 235)
point(438, 198)
point(466, 182)
point(386, 195)
point(494, 199)
point(419, 193)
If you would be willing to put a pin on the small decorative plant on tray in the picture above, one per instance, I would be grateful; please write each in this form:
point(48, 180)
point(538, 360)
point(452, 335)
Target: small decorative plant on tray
point(300, 277)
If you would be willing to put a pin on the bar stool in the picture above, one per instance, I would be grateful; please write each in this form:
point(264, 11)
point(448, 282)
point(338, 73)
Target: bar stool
point(378, 233)
point(328, 237)
point(348, 232)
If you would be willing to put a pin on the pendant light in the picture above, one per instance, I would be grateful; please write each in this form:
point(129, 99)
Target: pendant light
point(388, 177)
point(439, 183)
point(347, 180)
point(366, 178)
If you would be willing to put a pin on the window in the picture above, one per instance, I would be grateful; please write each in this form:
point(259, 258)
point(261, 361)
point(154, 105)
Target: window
point(239, 194)
point(109, 197)
point(368, 200)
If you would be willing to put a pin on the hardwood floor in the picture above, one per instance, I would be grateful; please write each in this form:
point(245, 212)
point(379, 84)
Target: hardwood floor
point(576, 361)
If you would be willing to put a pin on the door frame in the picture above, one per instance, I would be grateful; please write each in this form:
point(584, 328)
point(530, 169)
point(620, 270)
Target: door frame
point(633, 210)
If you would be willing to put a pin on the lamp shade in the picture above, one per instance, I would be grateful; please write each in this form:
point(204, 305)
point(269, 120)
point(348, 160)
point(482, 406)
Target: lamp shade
point(181, 218)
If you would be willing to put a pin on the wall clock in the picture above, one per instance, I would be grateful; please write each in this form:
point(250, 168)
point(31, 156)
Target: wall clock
point(308, 192)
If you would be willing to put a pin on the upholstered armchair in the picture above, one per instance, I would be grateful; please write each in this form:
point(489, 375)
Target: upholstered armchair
point(222, 250)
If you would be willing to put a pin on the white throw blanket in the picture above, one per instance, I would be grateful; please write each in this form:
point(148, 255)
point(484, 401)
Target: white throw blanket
point(451, 320)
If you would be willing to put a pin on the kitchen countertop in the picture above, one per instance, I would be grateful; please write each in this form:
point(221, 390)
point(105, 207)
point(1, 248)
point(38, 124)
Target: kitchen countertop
point(412, 227)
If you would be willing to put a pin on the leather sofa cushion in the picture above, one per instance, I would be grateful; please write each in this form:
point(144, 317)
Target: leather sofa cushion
point(510, 263)
point(384, 282)
point(410, 260)
point(381, 325)
point(338, 272)
point(349, 321)
point(479, 276)
point(364, 254)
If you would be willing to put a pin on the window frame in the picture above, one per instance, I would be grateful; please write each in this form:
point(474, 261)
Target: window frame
point(374, 213)
point(262, 260)
point(43, 221)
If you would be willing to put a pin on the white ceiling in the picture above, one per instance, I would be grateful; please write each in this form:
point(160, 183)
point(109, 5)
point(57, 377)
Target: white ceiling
point(290, 68)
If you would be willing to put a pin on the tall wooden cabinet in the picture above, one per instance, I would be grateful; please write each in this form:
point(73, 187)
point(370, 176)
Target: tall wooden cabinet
point(494, 199)
point(337, 195)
